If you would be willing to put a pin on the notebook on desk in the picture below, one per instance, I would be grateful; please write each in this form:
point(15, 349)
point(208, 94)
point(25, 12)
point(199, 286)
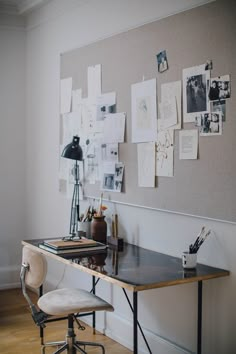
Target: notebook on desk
point(98, 246)
point(58, 244)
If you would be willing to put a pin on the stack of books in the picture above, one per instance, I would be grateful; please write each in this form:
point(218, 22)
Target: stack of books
point(59, 246)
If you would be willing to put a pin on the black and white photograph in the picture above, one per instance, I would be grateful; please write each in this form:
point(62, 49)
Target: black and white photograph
point(209, 123)
point(119, 172)
point(195, 95)
point(108, 181)
point(209, 65)
point(119, 168)
point(219, 107)
point(219, 88)
point(112, 179)
point(162, 61)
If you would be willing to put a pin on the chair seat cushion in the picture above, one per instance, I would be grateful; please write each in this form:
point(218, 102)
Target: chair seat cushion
point(67, 301)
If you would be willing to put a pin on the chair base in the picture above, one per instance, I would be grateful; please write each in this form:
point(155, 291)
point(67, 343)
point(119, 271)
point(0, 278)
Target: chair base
point(71, 348)
point(71, 345)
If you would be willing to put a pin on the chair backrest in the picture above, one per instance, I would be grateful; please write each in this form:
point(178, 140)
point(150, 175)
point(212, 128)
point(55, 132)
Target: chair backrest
point(36, 267)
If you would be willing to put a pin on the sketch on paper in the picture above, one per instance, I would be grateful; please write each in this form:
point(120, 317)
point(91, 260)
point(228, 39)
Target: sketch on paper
point(195, 98)
point(109, 152)
point(144, 111)
point(91, 161)
point(169, 91)
point(114, 128)
point(146, 164)
point(165, 153)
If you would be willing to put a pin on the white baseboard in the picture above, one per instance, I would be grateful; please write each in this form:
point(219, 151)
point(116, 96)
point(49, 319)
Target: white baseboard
point(9, 277)
point(121, 330)
point(10, 286)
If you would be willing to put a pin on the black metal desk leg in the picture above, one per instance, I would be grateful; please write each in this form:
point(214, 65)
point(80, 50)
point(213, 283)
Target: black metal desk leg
point(199, 319)
point(135, 322)
point(93, 291)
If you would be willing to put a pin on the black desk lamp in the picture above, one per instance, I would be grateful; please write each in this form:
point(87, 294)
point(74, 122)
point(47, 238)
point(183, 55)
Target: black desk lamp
point(74, 151)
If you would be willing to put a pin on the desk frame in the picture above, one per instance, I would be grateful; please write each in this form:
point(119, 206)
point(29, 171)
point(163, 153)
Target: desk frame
point(136, 288)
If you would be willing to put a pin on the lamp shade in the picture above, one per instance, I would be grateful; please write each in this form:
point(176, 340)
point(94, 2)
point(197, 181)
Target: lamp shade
point(73, 150)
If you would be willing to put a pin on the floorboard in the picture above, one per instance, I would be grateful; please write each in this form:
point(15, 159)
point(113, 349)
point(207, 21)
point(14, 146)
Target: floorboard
point(19, 334)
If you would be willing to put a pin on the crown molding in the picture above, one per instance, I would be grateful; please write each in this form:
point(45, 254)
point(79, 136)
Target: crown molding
point(20, 7)
point(26, 6)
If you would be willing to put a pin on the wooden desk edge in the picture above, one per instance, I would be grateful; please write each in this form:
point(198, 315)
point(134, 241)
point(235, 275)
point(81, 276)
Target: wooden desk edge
point(127, 286)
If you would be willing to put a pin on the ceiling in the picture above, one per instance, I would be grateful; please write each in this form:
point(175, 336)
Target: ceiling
point(20, 7)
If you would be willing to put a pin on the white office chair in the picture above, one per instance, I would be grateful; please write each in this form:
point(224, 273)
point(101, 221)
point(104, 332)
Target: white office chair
point(61, 302)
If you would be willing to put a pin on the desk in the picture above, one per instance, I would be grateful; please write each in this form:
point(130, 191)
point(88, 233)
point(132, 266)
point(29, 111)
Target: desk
point(137, 269)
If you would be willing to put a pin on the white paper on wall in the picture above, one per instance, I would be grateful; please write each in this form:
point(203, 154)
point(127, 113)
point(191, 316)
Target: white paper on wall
point(65, 95)
point(195, 96)
point(188, 144)
point(165, 153)
point(146, 164)
point(144, 111)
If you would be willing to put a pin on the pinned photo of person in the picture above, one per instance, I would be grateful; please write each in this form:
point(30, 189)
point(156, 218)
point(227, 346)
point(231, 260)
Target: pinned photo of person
point(162, 61)
point(195, 92)
point(209, 65)
point(220, 107)
point(108, 181)
point(119, 172)
point(112, 179)
point(219, 88)
point(209, 123)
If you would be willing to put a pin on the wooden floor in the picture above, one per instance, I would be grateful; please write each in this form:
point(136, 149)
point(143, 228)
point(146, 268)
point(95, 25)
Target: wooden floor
point(19, 334)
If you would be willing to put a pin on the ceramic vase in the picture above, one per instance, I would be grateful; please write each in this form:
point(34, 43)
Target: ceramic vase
point(99, 229)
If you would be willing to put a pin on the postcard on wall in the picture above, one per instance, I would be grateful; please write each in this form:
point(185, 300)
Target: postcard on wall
point(219, 88)
point(146, 164)
point(170, 90)
point(162, 61)
point(165, 153)
point(188, 144)
point(114, 128)
point(112, 179)
point(144, 111)
point(210, 124)
point(94, 82)
point(65, 95)
point(195, 96)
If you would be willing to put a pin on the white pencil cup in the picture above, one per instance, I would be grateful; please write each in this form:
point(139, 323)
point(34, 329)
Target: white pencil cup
point(84, 229)
point(189, 260)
